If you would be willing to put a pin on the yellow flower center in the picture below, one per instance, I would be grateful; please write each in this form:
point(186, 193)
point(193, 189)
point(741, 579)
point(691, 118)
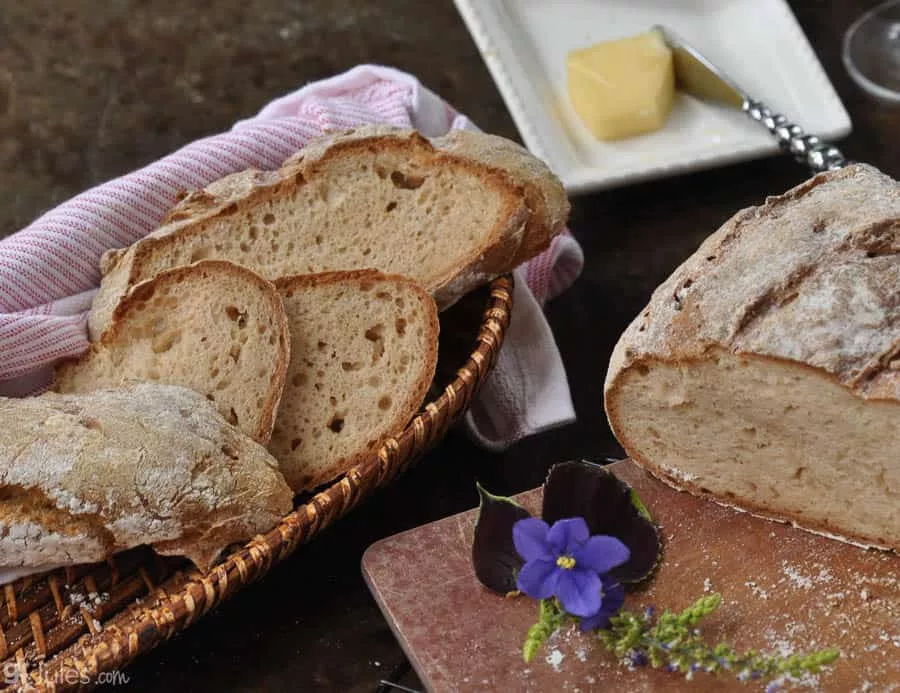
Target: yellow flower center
point(566, 562)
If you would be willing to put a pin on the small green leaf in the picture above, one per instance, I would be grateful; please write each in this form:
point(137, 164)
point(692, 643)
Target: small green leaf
point(494, 556)
point(609, 506)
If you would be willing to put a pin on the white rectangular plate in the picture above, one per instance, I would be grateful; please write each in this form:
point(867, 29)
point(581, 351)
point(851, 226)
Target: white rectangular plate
point(756, 42)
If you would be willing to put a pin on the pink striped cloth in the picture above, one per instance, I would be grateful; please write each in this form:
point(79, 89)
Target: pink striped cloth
point(49, 270)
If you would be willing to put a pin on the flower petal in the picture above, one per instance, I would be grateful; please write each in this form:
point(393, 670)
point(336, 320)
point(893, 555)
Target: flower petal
point(530, 539)
point(613, 595)
point(579, 591)
point(613, 599)
point(601, 554)
point(565, 535)
point(538, 579)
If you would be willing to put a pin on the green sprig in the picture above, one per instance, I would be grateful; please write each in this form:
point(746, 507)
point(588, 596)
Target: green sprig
point(673, 641)
point(550, 619)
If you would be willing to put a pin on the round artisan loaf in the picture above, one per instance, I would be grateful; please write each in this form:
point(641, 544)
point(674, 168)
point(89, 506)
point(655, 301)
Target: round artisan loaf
point(765, 372)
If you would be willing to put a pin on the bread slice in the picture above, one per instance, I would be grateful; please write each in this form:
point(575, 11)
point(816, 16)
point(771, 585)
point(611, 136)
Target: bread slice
point(452, 213)
point(364, 353)
point(765, 372)
point(214, 327)
point(87, 475)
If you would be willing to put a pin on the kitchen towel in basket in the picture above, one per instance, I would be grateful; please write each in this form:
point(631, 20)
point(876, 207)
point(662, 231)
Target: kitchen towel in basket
point(49, 270)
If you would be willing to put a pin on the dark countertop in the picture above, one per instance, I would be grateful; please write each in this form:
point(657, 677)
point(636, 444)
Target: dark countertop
point(90, 90)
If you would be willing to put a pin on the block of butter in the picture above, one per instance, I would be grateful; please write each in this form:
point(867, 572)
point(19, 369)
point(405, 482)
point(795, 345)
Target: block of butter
point(622, 88)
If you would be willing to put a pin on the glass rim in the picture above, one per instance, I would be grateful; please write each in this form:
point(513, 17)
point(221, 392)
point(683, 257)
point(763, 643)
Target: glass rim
point(867, 84)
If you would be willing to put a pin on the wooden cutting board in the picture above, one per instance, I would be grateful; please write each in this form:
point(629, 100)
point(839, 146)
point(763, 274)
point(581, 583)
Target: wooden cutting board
point(784, 590)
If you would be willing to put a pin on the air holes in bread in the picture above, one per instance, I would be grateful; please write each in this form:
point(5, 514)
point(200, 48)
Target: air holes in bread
point(236, 315)
point(336, 425)
point(295, 443)
point(268, 219)
point(375, 334)
point(384, 403)
point(232, 417)
point(229, 452)
point(351, 365)
point(406, 181)
point(391, 206)
point(400, 326)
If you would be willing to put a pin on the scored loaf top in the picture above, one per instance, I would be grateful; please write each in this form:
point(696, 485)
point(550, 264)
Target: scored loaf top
point(812, 276)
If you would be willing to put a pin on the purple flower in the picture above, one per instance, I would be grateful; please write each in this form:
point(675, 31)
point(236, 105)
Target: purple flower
point(612, 599)
point(565, 562)
point(636, 658)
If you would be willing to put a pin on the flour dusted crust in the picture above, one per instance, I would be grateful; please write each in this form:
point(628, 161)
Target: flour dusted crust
point(765, 372)
point(452, 213)
point(84, 476)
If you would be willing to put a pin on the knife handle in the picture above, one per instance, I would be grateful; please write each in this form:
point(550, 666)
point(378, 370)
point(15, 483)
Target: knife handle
point(807, 149)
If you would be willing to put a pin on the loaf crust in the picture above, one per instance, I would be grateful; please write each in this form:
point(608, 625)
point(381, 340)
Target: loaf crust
point(84, 476)
point(531, 201)
point(811, 276)
point(807, 281)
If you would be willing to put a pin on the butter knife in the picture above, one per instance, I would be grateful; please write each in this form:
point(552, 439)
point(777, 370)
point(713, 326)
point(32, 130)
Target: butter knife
point(699, 77)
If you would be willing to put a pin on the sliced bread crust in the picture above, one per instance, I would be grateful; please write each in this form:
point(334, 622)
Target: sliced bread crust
point(452, 213)
point(214, 327)
point(364, 351)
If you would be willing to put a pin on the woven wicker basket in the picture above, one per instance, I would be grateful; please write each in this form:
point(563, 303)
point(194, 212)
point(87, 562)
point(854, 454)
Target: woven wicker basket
point(62, 630)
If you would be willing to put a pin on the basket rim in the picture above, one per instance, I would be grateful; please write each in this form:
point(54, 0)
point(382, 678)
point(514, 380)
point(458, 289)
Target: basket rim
point(184, 595)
